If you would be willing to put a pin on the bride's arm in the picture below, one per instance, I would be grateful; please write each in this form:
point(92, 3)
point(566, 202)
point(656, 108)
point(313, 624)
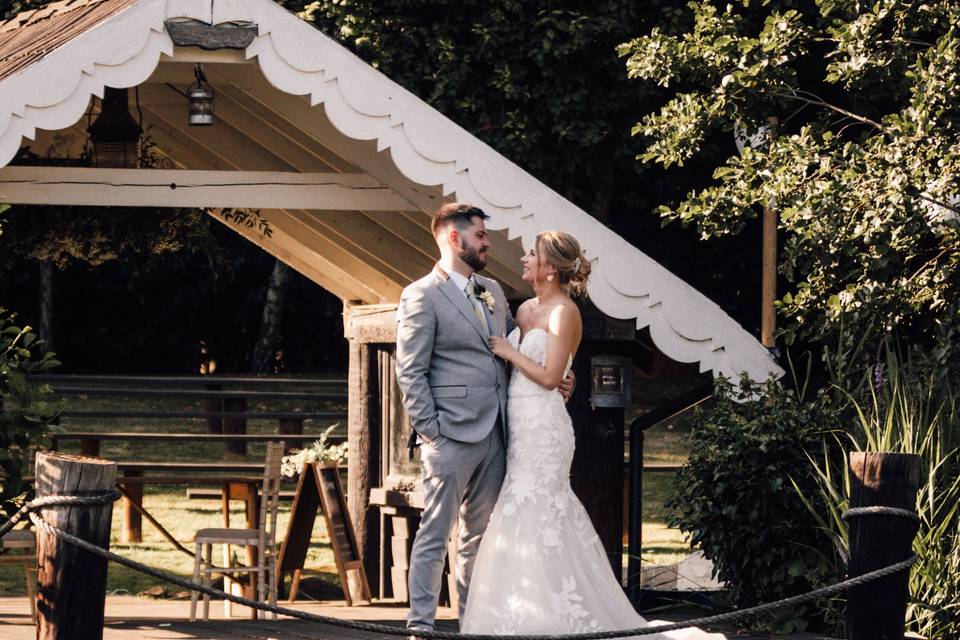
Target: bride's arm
point(562, 329)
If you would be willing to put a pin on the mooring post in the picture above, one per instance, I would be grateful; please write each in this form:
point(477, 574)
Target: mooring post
point(877, 609)
point(72, 581)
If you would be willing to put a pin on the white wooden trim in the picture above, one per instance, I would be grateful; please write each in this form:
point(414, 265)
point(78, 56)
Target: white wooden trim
point(192, 188)
point(196, 54)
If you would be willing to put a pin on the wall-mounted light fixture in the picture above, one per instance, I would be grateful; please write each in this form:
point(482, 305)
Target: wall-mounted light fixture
point(200, 95)
point(610, 381)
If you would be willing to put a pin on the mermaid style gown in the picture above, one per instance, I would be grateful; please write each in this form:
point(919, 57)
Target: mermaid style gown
point(541, 568)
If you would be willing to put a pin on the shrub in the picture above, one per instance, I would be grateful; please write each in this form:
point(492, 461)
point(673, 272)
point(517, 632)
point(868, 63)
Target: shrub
point(738, 497)
point(26, 409)
point(909, 404)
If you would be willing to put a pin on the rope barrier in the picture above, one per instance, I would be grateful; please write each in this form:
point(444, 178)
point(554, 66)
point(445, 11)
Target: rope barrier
point(707, 621)
point(879, 511)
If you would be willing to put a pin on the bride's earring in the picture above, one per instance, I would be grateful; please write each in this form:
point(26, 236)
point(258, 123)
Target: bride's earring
point(550, 277)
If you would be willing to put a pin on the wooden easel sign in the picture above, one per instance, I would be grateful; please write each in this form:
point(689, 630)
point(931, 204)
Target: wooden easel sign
point(319, 487)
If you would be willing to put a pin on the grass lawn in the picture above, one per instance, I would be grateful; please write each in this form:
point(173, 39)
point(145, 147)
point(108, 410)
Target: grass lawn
point(182, 517)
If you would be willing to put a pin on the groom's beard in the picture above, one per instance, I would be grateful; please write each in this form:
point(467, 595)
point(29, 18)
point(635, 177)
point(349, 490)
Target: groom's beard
point(473, 258)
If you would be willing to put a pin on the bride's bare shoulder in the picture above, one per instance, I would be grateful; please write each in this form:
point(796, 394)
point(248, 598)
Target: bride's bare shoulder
point(565, 317)
point(523, 311)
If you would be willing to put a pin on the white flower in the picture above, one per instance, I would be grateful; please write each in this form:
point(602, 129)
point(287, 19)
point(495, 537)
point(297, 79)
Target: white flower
point(488, 300)
point(292, 465)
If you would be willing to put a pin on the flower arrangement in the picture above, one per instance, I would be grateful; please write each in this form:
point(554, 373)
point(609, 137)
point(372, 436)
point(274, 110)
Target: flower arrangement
point(319, 451)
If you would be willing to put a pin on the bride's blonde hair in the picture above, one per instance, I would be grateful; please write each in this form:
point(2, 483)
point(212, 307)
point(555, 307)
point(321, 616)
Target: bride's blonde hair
point(562, 250)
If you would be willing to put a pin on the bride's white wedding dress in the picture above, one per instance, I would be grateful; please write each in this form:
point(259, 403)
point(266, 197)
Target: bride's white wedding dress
point(541, 568)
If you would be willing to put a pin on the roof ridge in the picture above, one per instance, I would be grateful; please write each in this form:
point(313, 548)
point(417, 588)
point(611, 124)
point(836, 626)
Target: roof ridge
point(32, 16)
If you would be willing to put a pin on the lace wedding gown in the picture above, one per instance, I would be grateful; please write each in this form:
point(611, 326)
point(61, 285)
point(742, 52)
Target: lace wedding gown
point(541, 568)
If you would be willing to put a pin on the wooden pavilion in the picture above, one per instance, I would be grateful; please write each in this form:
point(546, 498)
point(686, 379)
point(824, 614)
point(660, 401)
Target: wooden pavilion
point(345, 168)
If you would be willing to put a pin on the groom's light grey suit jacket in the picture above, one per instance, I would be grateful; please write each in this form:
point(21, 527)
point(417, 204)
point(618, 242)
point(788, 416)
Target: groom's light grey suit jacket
point(452, 383)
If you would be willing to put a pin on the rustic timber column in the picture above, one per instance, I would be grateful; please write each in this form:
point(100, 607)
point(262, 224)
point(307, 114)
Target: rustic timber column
point(363, 429)
point(877, 610)
point(597, 472)
point(366, 327)
point(72, 581)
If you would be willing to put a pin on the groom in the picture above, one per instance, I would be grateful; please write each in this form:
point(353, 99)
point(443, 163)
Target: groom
point(455, 391)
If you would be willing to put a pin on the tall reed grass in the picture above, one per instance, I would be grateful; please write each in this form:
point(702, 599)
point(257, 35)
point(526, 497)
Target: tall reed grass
point(904, 404)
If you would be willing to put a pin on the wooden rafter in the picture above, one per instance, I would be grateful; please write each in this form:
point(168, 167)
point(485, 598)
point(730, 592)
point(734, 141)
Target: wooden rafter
point(368, 275)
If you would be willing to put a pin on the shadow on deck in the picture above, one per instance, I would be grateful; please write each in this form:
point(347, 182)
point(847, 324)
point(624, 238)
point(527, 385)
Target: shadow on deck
point(130, 618)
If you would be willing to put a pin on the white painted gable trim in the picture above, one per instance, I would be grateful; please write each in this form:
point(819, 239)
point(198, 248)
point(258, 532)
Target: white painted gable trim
point(426, 147)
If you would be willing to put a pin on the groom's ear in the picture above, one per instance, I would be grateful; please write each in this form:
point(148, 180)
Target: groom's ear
point(452, 235)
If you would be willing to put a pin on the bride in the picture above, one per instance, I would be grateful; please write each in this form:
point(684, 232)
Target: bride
point(541, 568)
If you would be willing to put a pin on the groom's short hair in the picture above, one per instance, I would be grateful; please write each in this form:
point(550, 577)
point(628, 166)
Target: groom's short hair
point(459, 214)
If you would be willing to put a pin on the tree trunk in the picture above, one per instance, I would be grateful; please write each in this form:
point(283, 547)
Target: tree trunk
point(72, 581)
point(266, 346)
point(45, 325)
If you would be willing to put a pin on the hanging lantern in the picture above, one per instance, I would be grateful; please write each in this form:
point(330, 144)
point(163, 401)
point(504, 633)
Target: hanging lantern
point(115, 134)
point(201, 100)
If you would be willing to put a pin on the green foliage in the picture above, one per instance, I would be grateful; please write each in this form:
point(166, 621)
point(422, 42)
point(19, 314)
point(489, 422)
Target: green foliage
point(864, 170)
point(66, 236)
point(26, 407)
point(737, 496)
point(908, 404)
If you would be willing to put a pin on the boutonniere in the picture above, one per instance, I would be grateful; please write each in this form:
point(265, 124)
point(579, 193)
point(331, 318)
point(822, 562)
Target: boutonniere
point(485, 296)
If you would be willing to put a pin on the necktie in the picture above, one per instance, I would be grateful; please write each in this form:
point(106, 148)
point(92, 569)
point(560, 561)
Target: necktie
point(477, 306)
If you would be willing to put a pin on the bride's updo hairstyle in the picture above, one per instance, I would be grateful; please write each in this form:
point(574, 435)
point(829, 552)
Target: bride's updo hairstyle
point(563, 251)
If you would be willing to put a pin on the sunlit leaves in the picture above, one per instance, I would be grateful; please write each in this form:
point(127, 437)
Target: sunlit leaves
point(866, 163)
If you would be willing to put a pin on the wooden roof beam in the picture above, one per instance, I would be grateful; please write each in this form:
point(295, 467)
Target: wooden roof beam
point(313, 124)
point(371, 274)
point(85, 186)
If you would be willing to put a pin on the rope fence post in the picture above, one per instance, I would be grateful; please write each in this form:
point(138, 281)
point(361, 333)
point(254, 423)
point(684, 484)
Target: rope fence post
point(882, 521)
point(72, 582)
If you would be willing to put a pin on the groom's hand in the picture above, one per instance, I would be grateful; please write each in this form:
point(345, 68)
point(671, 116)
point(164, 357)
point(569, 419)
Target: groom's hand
point(566, 385)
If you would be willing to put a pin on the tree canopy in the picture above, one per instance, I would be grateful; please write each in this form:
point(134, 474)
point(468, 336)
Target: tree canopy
point(863, 170)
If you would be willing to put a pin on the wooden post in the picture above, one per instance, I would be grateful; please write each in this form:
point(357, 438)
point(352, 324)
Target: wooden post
point(90, 448)
point(290, 426)
point(72, 582)
point(370, 329)
point(768, 317)
point(214, 405)
point(132, 520)
point(363, 436)
point(235, 425)
point(597, 473)
point(877, 610)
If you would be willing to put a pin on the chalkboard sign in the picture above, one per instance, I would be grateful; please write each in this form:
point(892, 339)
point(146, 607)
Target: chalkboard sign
point(320, 488)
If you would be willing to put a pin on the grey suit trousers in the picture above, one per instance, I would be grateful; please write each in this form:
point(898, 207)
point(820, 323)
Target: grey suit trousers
point(460, 479)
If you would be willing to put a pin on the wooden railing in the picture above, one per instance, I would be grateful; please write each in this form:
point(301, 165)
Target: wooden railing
point(224, 404)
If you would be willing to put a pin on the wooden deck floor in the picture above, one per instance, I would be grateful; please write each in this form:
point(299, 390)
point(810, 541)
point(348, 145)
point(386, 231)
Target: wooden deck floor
point(130, 618)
